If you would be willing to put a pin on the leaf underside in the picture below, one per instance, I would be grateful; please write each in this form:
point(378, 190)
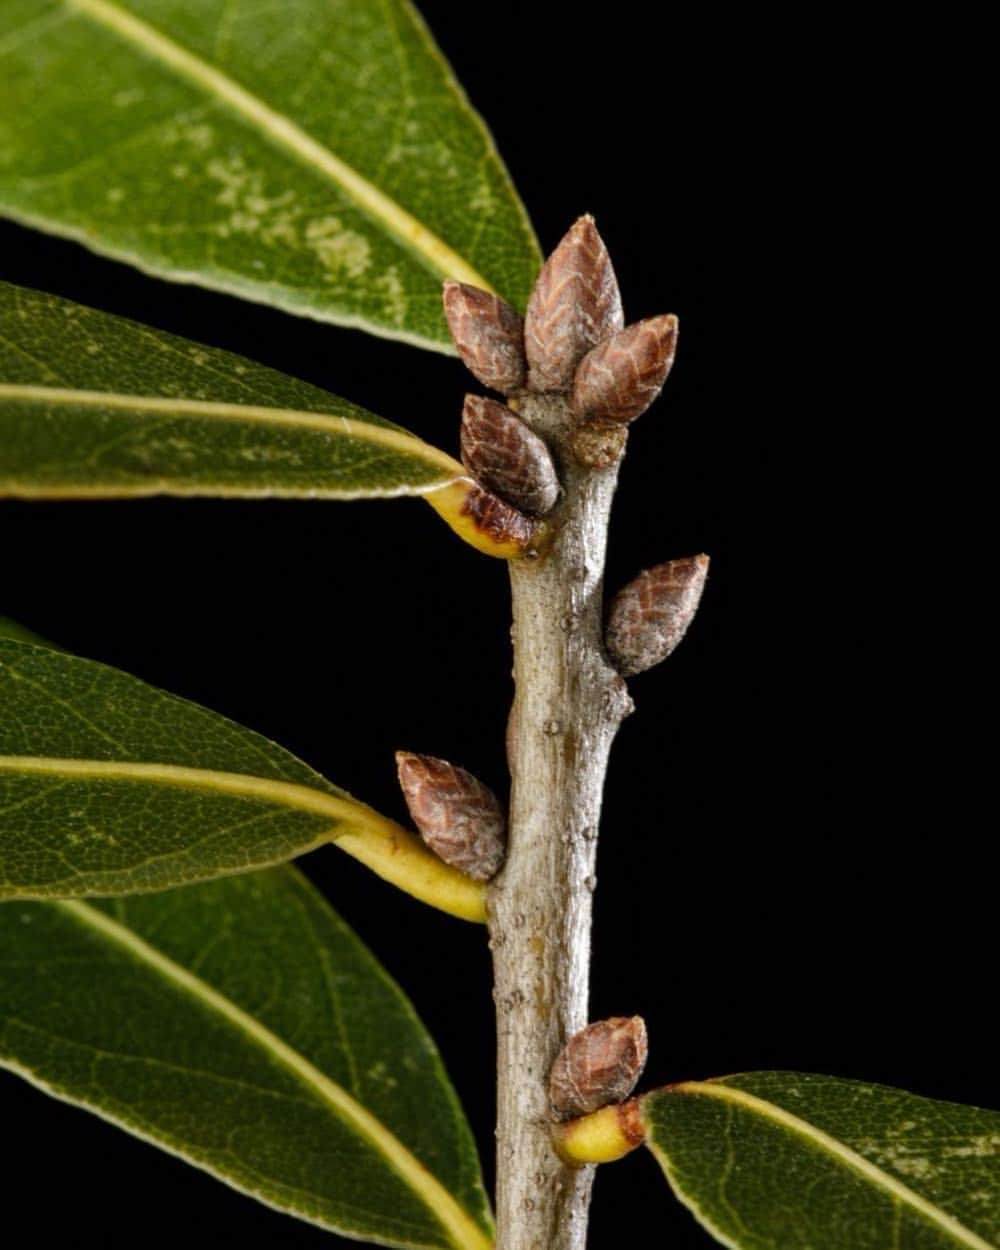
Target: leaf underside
point(109, 786)
point(93, 405)
point(788, 1161)
point(242, 1025)
point(316, 156)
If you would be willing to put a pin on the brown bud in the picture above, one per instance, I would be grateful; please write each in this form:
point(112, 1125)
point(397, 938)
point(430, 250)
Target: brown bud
point(575, 305)
point(489, 336)
point(650, 615)
point(599, 1065)
point(507, 457)
point(621, 377)
point(458, 817)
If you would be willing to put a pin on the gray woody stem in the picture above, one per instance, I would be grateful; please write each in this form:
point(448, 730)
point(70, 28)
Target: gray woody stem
point(568, 705)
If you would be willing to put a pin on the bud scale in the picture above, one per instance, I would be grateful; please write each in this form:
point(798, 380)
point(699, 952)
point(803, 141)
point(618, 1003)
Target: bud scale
point(575, 305)
point(599, 1065)
point(458, 817)
point(489, 336)
point(507, 457)
point(650, 616)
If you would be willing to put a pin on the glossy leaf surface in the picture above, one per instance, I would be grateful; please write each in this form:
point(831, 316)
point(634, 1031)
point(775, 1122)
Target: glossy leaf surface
point(93, 405)
point(241, 1025)
point(786, 1161)
point(312, 155)
point(109, 786)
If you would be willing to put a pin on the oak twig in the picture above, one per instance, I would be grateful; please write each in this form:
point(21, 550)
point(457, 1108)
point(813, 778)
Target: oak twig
point(568, 705)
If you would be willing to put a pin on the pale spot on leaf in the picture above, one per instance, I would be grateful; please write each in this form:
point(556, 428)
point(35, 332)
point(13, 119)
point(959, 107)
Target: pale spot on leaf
point(339, 250)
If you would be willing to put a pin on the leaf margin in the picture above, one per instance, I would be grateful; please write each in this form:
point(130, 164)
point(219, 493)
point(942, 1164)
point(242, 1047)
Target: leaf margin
point(458, 1220)
point(776, 1115)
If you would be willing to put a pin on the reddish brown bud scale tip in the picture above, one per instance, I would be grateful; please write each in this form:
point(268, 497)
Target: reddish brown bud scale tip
point(621, 377)
point(497, 521)
point(485, 522)
point(598, 1066)
point(507, 457)
point(575, 305)
point(489, 336)
point(650, 616)
point(458, 817)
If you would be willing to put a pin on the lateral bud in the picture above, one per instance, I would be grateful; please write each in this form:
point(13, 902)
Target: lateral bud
point(620, 378)
point(458, 817)
point(489, 335)
point(649, 616)
point(598, 1066)
point(574, 306)
point(507, 457)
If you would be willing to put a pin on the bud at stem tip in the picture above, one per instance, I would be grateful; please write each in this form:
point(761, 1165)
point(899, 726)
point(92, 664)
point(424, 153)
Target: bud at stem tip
point(574, 306)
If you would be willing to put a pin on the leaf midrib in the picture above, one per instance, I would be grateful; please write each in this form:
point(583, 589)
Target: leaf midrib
point(430, 250)
point(843, 1154)
point(243, 785)
point(330, 424)
point(464, 1233)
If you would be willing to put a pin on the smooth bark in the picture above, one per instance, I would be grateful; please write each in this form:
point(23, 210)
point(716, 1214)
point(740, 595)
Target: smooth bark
point(568, 704)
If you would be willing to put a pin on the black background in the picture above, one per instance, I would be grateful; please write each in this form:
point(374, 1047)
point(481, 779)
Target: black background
point(788, 874)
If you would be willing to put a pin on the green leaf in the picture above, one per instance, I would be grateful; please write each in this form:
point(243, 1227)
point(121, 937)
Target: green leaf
point(108, 786)
point(93, 405)
point(318, 157)
point(241, 1025)
point(786, 1161)
point(96, 407)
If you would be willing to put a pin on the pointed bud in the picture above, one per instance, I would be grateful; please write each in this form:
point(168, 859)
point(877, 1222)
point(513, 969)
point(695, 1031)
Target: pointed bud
point(507, 457)
point(575, 305)
point(598, 1066)
point(650, 616)
point(489, 336)
point(457, 816)
point(621, 377)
